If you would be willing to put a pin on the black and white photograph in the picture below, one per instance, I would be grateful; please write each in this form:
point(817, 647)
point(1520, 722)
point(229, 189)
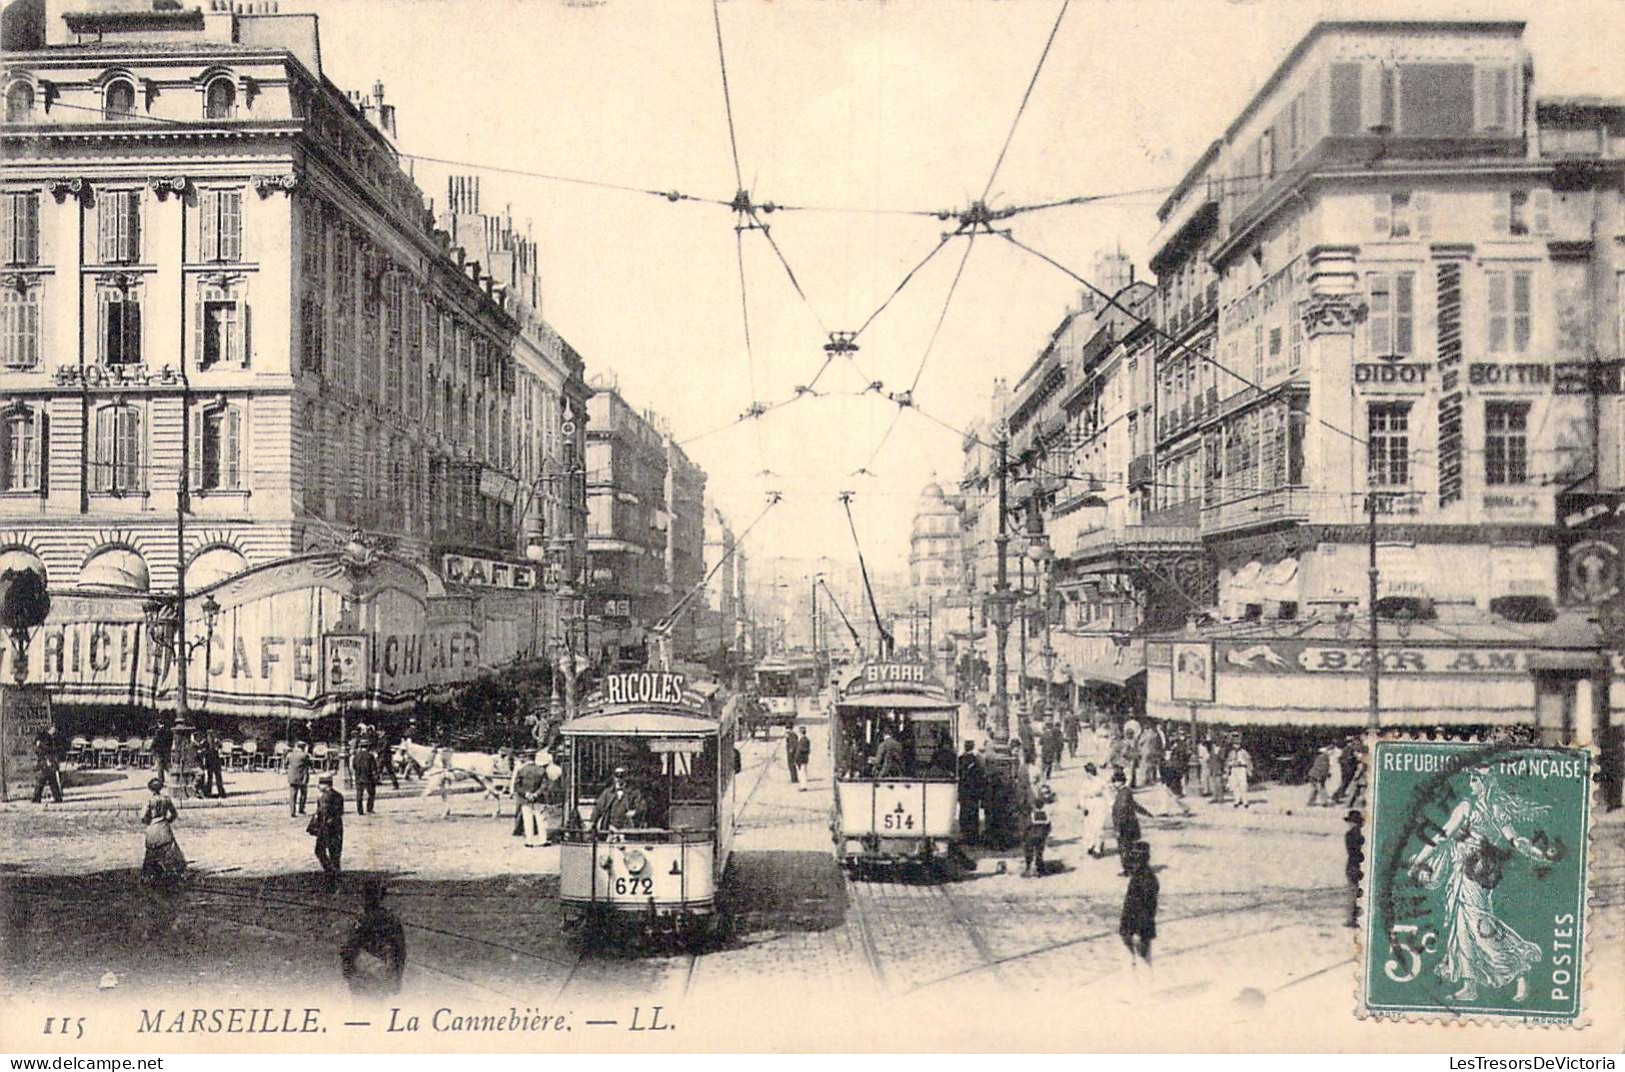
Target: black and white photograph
point(812, 526)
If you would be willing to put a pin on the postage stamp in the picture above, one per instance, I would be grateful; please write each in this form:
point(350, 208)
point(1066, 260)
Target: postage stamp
point(1475, 888)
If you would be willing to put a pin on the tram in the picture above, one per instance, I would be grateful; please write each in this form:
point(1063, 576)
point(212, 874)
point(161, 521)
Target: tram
point(649, 785)
point(777, 685)
point(896, 775)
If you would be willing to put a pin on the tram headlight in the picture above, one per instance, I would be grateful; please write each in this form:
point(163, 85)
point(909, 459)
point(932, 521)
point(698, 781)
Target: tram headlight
point(635, 861)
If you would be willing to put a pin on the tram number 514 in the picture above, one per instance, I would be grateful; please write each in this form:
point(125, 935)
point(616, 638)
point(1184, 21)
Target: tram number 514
point(897, 820)
point(634, 886)
point(1403, 940)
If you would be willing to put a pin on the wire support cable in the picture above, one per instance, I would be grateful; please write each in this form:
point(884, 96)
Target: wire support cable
point(1025, 97)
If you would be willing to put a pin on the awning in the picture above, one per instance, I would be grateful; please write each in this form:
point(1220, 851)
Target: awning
point(1107, 674)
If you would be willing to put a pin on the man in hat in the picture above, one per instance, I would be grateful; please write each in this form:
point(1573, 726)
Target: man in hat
point(1240, 765)
point(364, 768)
point(1049, 746)
point(1035, 834)
point(163, 743)
point(803, 754)
point(298, 770)
point(971, 780)
point(1126, 812)
point(1354, 863)
point(214, 780)
point(373, 959)
point(619, 807)
point(1138, 924)
point(792, 754)
point(328, 826)
point(529, 783)
point(47, 764)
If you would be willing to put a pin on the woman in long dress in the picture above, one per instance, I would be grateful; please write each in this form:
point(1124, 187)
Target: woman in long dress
point(164, 859)
point(1467, 861)
point(1095, 804)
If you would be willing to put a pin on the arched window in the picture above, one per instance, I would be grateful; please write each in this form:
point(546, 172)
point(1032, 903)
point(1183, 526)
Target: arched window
point(220, 99)
point(118, 101)
point(118, 568)
point(19, 102)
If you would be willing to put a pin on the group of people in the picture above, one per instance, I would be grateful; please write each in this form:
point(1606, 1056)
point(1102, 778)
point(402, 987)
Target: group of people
point(1337, 771)
point(797, 753)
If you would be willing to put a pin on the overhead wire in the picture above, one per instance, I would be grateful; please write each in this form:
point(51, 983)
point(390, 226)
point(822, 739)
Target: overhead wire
point(727, 97)
point(1025, 97)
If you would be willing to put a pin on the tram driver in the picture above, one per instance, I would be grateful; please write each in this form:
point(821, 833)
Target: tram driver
point(619, 807)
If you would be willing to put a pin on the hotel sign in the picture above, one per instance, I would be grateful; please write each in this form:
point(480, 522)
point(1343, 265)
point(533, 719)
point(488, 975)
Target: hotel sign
point(486, 572)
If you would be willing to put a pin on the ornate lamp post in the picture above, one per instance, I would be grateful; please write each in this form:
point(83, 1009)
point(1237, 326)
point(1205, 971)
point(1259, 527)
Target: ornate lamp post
point(164, 616)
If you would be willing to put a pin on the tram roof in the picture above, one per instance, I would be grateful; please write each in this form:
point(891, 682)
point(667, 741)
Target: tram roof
point(900, 701)
point(637, 720)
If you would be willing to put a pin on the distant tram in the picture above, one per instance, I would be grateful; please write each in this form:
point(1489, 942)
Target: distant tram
point(896, 777)
point(650, 807)
point(779, 688)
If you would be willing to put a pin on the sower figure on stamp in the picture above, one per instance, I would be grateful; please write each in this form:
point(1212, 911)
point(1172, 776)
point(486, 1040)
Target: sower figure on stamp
point(1467, 862)
point(328, 827)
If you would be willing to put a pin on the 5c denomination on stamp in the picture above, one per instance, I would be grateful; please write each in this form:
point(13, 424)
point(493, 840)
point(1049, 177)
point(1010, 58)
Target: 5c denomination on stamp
point(1475, 891)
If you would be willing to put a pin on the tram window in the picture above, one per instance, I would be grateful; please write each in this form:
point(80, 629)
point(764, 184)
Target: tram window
point(928, 743)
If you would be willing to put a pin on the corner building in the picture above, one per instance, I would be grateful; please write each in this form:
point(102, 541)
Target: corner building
point(1397, 274)
point(227, 307)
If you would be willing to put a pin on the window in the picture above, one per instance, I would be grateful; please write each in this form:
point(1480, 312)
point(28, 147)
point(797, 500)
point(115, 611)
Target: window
point(1506, 443)
point(1391, 317)
point(1399, 215)
point(19, 228)
point(312, 450)
point(1379, 97)
point(1388, 445)
point(119, 326)
point(1295, 333)
point(1524, 212)
point(1258, 354)
point(220, 99)
point(312, 323)
point(19, 102)
point(221, 213)
point(119, 222)
point(1510, 300)
point(117, 459)
point(1492, 105)
point(20, 450)
point(118, 100)
point(20, 327)
point(216, 442)
point(221, 338)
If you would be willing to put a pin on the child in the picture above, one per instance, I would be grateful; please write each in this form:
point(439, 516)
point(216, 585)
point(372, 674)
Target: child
point(1139, 922)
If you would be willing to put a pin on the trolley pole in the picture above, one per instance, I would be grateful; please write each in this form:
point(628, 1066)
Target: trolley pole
point(1374, 654)
point(1001, 608)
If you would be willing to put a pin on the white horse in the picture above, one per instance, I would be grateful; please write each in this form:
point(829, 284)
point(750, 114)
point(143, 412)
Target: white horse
point(441, 767)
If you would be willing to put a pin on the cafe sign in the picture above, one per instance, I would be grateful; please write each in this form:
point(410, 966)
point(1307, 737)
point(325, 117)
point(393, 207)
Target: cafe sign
point(486, 572)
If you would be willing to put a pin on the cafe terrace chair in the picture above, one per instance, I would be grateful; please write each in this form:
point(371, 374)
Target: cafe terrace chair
point(318, 756)
point(106, 751)
point(76, 751)
point(250, 755)
point(228, 754)
point(130, 751)
point(279, 756)
point(145, 758)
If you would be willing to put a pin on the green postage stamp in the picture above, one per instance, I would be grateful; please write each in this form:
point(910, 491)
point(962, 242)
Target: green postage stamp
point(1475, 883)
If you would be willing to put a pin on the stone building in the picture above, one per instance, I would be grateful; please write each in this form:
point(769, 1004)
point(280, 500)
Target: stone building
point(242, 362)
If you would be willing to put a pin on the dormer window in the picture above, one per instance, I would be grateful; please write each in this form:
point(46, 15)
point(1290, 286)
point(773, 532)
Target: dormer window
point(220, 99)
point(19, 102)
point(118, 101)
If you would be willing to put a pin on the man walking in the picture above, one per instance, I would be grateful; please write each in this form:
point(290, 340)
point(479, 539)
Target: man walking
point(1029, 752)
point(1173, 772)
point(792, 754)
point(1049, 748)
point(1071, 728)
point(529, 783)
point(1240, 766)
point(1150, 755)
point(47, 763)
point(1126, 812)
point(1036, 834)
point(1215, 769)
point(971, 780)
point(364, 768)
point(1320, 769)
point(298, 778)
point(803, 754)
point(163, 743)
point(214, 781)
point(328, 826)
point(1138, 924)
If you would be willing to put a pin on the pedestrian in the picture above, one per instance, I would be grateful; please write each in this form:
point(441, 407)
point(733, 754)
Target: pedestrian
point(1050, 746)
point(1320, 770)
point(971, 784)
point(214, 780)
point(529, 783)
point(327, 825)
point(1150, 755)
point(804, 755)
point(1029, 751)
point(1126, 812)
point(1092, 801)
point(163, 859)
point(792, 754)
point(1354, 863)
point(373, 958)
point(1357, 780)
point(1334, 771)
point(364, 768)
point(1240, 766)
point(163, 743)
point(1214, 769)
point(1173, 771)
point(48, 763)
point(298, 771)
point(383, 756)
point(1138, 924)
point(889, 758)
point(1348, 760)
point(1036, 833)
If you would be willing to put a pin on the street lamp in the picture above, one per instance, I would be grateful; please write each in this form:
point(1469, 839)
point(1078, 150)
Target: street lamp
point(1043, 557)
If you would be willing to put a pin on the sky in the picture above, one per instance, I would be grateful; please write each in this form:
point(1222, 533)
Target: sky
point(860, 106)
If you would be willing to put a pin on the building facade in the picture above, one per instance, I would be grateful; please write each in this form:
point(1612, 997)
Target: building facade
point(229, 312)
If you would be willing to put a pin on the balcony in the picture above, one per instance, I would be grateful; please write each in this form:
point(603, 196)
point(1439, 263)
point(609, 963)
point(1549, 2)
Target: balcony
point(1271, 507)
point(1141, 471)
point(1140, 539)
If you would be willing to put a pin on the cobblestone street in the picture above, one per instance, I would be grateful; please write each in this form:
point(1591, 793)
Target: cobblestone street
point(1250, 923)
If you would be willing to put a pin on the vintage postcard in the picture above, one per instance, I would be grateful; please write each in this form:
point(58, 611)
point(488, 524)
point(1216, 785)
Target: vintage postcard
point(642, 526)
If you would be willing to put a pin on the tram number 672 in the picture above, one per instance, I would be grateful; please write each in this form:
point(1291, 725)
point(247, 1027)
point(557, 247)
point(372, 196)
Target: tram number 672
point(897, 821)
point(634, 886)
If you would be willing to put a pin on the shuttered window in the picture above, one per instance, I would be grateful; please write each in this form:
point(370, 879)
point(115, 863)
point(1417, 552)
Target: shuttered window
point(116, 462)
point(221, 320)
point(221, 233)
point(217, 449)
point(1391, 313)
point(118, 216)
point(1510, 301)
point(1492, 104)
point(19, 327)
point(19, 228)
point(20, 441)
point(119, 326)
